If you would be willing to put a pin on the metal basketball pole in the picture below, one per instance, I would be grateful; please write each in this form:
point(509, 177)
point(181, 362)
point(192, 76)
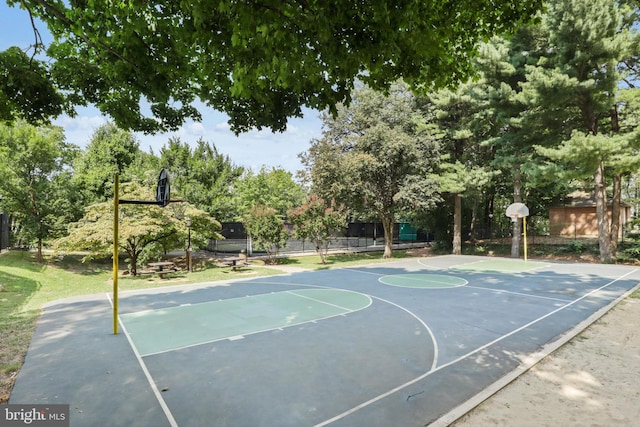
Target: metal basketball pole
point(524, 225)
point(116, 209)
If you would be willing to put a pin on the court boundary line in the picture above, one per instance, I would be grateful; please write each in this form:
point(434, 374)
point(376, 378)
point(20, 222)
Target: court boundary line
point(452, 362)
point(147, 374)
point(518, 293)
point(534, 359)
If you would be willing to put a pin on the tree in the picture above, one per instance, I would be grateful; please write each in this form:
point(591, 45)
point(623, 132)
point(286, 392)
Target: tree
point(580, 73)
point(502, 63)
point(376, 157)
point(111, 151)
point(26, 89)
point(257, 62)
point(34, 164)
point(318, 221)
point(266, 228)
point(145, 231)
point(273, 187)
point(463, 170)
point(203, 176)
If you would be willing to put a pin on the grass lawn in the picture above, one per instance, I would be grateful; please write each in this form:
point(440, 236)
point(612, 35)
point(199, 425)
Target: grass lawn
point(25, 286)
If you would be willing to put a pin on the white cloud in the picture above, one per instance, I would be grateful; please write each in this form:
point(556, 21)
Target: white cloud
point(196, 129)
point(78, 130)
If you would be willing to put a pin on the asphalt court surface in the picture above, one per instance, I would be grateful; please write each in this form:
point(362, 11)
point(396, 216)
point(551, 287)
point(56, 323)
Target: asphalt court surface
point(403, 343)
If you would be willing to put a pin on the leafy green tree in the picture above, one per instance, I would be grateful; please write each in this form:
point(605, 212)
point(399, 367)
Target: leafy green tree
point(110, 151)
point(203, 176)
point(257, 62)
point(273, 187)
point(376, 158)
point(318, 221)
point(34, 165)
point(26, 89)
point(266, 227)
point(145, 231)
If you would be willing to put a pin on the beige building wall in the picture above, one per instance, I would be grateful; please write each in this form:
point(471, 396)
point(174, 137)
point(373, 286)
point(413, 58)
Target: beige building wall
point(580, 221)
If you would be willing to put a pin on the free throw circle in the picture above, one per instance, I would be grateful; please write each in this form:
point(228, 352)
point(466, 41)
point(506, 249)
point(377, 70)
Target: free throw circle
point(427, 281)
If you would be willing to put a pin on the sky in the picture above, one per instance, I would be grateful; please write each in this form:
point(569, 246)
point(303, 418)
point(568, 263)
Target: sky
point(252, 149)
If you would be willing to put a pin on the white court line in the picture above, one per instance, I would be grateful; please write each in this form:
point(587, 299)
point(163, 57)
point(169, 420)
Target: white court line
point(426, 374)
point(364, 272)
point(147, 374)
point(348, 310)
point(422, 279)
point(429, 266)
point(518, 293)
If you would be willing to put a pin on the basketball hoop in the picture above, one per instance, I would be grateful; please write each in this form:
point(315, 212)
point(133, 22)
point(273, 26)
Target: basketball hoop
point(163, 191)
point(517, 210)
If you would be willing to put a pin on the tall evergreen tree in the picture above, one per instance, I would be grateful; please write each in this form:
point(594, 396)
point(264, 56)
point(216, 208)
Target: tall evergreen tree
point(576, 82)
point(463, 172)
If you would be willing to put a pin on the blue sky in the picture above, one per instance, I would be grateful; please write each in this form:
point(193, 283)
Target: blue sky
point(252, 149)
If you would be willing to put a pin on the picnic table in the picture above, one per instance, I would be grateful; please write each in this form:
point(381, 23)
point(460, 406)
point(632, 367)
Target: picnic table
point(234, 262)
point(161, 268)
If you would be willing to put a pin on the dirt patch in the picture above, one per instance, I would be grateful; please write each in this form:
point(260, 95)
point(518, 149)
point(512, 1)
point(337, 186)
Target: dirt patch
point(592, 380)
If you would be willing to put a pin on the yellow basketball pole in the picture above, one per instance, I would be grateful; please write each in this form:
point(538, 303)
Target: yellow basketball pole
point(116, 209)
point(524, 225)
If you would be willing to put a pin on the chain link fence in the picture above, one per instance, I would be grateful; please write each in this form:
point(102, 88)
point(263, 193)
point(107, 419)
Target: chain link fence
point(357, 236)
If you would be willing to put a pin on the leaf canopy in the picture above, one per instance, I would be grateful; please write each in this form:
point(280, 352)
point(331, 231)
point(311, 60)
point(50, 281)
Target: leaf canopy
point(259, 62)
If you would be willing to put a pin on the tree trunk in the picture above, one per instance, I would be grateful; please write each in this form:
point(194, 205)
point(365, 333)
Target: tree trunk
point(40, 258)
point(457, 225)
point(133, 260)
point(322, 247)
point(604, 236)
point(615, 213)
point(473, 234)
point(488, 214)
point(517, 198)
point(387, 224)
point(617, 191)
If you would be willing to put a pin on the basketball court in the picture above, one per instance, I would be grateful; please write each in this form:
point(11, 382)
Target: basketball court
point(412, 342)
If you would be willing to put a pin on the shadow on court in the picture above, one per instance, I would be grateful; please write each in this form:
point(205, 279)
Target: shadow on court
point(407, 343)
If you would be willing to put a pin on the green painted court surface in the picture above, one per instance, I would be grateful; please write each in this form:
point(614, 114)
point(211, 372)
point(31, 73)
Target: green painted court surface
point(431, 281)
point(501, 266)
point(157, 331)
